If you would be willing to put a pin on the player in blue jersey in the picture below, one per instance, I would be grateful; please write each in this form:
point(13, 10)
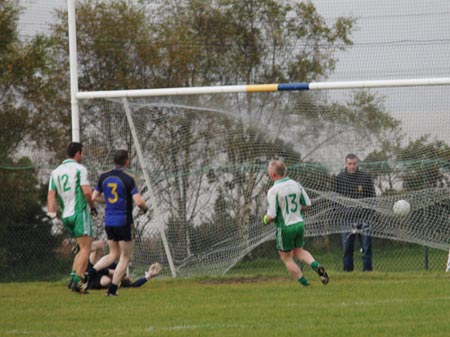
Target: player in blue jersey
point(119, 191)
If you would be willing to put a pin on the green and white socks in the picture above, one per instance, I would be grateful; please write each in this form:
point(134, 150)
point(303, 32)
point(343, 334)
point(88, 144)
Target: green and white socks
point(315, 265)
point(302, 280)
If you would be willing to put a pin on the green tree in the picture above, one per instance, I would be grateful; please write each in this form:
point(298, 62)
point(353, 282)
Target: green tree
point(257, 41)
point(26, 237)
point(420, 164)
point(23, 85)
point(426, 164)
point(25, 234)
point(116, 50)
point(116, 47)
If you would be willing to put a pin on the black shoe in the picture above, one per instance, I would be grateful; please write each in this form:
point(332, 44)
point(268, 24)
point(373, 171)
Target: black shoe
point(86, 279)
point(69, 285)
point(79, 287)
point(323, 275)
point(111, 294)
point(75, 249)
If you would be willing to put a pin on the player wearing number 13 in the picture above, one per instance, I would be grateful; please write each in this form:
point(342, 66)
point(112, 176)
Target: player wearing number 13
point(286, 202)
point(119, 191)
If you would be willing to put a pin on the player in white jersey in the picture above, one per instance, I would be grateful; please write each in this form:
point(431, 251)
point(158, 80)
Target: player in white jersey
point(286, 202)
point(69, 185)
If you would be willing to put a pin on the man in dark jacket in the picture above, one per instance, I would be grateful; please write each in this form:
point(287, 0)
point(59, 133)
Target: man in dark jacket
point(356, 184)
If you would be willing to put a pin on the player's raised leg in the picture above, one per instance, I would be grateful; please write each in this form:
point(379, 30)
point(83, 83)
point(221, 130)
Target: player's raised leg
point(305, 257)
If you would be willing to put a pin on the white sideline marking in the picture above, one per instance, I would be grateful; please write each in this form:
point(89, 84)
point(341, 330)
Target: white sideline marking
point(199, 327)
point(394, 300)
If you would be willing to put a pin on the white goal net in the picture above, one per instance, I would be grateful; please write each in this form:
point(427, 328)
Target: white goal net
point(202, 165)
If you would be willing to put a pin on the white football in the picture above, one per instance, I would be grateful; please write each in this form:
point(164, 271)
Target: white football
point(401, 207)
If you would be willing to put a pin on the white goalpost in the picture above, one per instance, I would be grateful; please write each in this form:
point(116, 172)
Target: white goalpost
point(448, 262)
point(148, 184)
point(73, 62)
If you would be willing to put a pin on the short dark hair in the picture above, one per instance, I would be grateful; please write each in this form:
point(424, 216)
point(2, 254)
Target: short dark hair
point(351, 156)
point(120, 157)
point(73, 148)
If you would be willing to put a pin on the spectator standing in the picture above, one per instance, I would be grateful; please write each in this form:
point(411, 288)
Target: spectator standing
point(356, 184)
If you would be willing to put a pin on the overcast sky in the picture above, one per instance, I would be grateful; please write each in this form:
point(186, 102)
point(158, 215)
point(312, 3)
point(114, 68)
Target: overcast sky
point(400, 39)
point(395, 39)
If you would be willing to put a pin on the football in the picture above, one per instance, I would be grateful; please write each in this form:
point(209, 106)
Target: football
point(401, 208)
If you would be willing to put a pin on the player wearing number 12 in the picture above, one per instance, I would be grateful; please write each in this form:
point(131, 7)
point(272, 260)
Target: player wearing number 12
point(119, 191)
point(286, 202)
point(69, 185)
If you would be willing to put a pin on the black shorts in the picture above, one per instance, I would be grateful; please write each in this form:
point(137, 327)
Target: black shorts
point(122, 233)
point(94, 282)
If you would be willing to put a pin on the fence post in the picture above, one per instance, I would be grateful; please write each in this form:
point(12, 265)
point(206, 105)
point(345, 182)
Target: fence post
point(425, 253)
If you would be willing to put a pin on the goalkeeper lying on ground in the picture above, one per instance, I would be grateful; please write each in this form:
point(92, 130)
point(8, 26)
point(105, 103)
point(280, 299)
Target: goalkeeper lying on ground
point(104, 276)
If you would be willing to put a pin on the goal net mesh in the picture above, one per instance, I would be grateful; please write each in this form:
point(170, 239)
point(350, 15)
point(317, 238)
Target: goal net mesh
point(206, 160)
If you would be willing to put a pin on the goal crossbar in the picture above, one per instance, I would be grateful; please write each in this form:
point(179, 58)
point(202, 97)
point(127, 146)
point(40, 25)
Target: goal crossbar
point(301, 86)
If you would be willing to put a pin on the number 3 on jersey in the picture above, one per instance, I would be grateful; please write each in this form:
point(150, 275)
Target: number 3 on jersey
point(113, 193)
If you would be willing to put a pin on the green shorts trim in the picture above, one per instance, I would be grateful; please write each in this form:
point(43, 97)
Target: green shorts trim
point(79, 224)
point(289, 237)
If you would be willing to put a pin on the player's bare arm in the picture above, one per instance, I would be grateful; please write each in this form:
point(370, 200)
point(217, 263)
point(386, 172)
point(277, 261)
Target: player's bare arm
point(88, 195)
point(306, 208)
point(98, 197)
point(51, 202)
point(140, 202)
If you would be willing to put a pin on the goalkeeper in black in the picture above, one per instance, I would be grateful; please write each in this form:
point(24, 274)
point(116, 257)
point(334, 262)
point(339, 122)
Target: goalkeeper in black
point(356, 184)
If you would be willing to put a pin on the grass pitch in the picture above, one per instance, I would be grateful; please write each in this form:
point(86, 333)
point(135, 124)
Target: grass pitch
point(356, 304)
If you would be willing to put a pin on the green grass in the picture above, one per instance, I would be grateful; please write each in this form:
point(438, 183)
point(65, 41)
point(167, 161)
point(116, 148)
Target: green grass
point(392, 257)
point(356, 304)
